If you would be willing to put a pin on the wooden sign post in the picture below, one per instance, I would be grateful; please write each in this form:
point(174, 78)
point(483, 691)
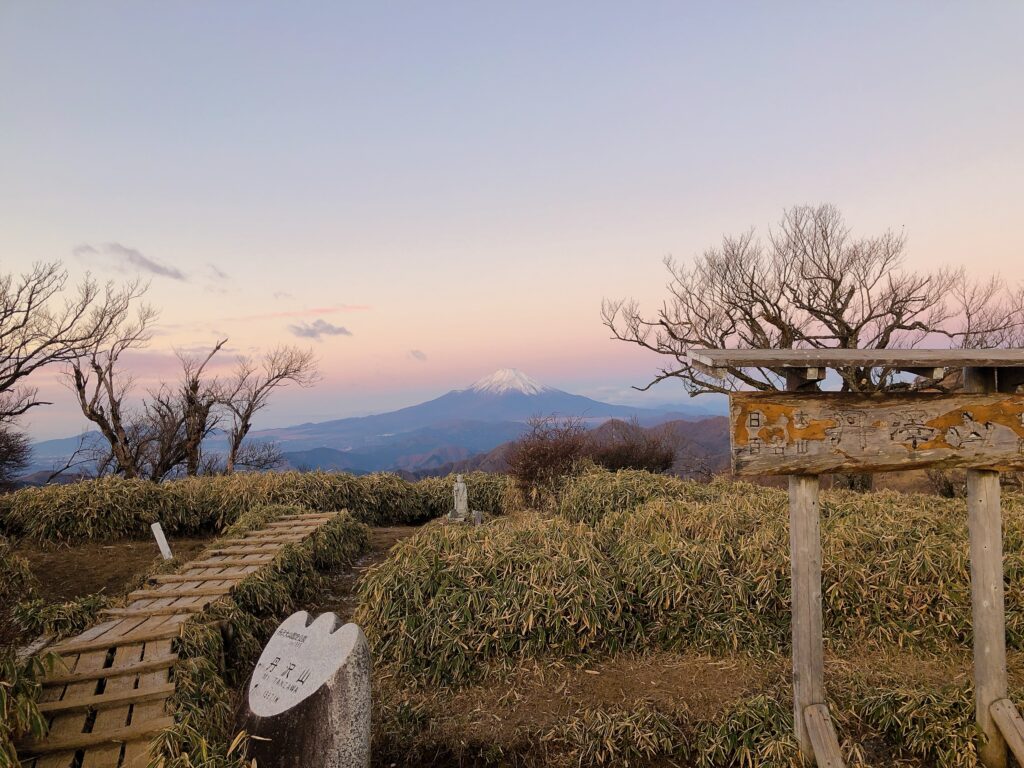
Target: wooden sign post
point(804, 433)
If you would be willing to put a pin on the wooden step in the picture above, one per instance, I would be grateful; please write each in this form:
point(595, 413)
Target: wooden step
point(266, 542)
point(155, 610)
point(84, 740)
point(229, 562)
point(101, 643)
point(161, 662)
point(178, 578)
point(306, 517)
point(245, 551)
point(156, 594)
point(105, 701)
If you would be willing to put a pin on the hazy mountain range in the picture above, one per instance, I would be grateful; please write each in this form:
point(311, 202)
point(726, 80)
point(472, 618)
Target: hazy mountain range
point(436, 434)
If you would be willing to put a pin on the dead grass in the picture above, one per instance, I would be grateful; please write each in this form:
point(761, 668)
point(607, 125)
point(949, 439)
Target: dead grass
point(66, 574)
point(701, 703)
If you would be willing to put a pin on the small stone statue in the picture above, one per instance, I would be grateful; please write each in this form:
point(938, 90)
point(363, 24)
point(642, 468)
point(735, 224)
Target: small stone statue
point(461, 511)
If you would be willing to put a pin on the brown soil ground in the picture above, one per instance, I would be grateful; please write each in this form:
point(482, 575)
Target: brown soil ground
point(65, 574)
point(340, 594)
point(503, 720)
point(539, 695)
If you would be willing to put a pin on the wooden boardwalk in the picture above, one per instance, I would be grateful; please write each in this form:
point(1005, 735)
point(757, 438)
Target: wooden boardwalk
point(108, 700)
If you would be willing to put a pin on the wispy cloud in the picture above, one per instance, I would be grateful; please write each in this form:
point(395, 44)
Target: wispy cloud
point(282, 295)
point(416, 354)
point(124, 258)
point(317, 329)
point(216, 273)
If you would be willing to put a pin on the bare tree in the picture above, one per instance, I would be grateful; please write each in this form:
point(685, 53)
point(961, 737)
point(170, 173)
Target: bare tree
point(252, 456)
point(83, 460)
point(101, 387)
point(41, 324)
point(15, 452)
point(197, 400)
point(813, 285)
point(166, 431)
point(250, 390)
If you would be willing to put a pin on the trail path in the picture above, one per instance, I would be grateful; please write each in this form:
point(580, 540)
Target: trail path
point(108, 699)
point(340, 594)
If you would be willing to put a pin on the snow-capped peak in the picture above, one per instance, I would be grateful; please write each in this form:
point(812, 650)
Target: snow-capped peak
point(508, 380)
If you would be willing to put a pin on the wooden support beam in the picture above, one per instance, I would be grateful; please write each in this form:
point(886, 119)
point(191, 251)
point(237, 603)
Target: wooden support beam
point(987, 603)
point(161, 662)
point(1011, 725)
point(85, 740)
point(984, 522)
point(823, 737)
point(937, 373)
point(804, 379)
point(1009, 379)
point(805, 562)
point(85, 703)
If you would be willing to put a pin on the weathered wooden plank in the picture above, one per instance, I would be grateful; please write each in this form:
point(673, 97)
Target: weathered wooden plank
point(168, 631)
point(264, 549)
point(158, 610)
point(151, 594)
point(805, 562)
point(816, 433)
point(107, 700)
point(113, 717)
point(823, 737)
point(69, 725)
point(1011, 725)
point(86, 740)
point(861, 358)
point(136, 753)
point(290, 539)
point(230, 561)
point(127, 670)
point(225, 574)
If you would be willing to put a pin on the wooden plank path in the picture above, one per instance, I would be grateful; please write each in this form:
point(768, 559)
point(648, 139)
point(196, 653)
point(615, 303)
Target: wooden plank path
point(107, 699)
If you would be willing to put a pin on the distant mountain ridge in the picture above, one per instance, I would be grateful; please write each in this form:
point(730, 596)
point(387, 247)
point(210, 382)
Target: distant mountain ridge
point(453, 427)
point(702, 448)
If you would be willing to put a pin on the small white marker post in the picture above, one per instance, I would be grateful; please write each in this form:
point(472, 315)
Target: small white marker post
point(161, 541)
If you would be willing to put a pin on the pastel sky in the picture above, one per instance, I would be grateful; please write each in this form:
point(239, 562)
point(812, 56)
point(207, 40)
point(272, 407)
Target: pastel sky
point(457, 185)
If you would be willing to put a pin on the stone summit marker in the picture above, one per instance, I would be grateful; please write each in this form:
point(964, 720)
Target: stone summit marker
point(460, 512)
point(308, 702)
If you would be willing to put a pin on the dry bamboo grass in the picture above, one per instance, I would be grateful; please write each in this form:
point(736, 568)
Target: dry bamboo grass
point(111, 508)
point(16, 581)
point(704, 567)
point(19, 695)
point(452, 597)
point(588, 497)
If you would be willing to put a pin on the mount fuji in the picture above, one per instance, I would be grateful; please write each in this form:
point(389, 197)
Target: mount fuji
point(429, 436)
point(452, 427)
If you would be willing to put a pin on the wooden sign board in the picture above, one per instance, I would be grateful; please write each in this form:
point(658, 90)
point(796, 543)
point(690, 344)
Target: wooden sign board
point(790, 433)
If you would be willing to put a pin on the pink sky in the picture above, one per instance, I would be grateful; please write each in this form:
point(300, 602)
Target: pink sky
point(459, 187)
